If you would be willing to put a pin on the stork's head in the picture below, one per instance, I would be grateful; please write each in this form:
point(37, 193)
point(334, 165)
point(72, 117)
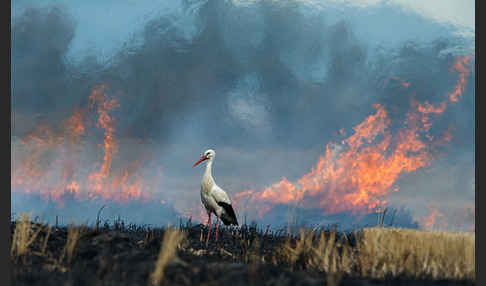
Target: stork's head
point(209, 154)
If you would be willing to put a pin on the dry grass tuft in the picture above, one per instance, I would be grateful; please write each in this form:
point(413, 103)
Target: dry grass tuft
point(420, 254)
point(24, 235)
point(323, 252)
point(46, 238)
point(172, 239)
point(74, 233)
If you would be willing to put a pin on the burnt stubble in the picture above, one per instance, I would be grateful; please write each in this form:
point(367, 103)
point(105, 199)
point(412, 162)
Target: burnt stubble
point(127, 254)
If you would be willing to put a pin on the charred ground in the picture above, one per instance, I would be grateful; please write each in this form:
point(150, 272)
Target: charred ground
point(129, 254)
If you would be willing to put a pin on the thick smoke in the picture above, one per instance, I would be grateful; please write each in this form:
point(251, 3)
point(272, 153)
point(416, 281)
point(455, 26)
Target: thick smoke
point(267, 85)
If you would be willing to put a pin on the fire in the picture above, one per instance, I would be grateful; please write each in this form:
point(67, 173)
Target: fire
point(29, 170)
point(124, 185)
point(462, 66)
point(72, 130)
point(354, 175)
point(73, 187)
point(357, 174)
point(287, 192)
point(74, 125)
point(458, 219)
point(431, 219)
point(427, 108)
point(367, 130)
point(129, 185)
point(61, 176)
point(106, 122)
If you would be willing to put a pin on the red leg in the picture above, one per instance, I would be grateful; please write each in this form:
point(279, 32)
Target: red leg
point(209, 219)
point(209, 232)
point(217, 226)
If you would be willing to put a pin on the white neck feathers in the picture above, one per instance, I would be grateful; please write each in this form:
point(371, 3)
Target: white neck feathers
point(208, 180)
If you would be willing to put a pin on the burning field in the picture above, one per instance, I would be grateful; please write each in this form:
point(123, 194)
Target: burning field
point(347, 150)
point(356, 174)
point(66, 178)
point(353, 176)
point(319, 116)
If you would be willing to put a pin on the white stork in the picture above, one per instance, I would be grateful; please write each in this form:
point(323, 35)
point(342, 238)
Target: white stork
point(214, 199)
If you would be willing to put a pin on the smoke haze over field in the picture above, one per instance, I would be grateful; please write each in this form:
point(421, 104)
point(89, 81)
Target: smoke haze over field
point(267, 84)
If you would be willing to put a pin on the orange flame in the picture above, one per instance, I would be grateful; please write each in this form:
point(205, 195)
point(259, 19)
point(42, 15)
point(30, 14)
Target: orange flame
point(106, 122)
point(124, 185)
point(357, 174)
point(37, 143)
point(462, 66)
point(33, 175)
point(431, 219)
point(74, 125)
point(458, 219)
point(429, 108)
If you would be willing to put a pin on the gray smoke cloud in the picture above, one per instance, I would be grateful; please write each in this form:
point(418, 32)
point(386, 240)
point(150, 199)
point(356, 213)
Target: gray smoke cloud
point(267, 85)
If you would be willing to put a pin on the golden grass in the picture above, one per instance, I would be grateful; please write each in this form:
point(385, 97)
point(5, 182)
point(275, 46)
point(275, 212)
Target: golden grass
point(74, 233)
point(383, 252)
point(392, 251)
point(46, 238)
point(170, 242)
point(24, 235)
point(319, 252)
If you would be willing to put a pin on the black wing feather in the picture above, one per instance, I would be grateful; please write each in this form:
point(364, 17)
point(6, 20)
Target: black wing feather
point(228, 216)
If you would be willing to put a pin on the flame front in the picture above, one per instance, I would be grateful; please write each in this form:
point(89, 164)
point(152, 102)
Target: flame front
point(106, 122)
point(354, 175)
point(357, 174)
point(63, 176)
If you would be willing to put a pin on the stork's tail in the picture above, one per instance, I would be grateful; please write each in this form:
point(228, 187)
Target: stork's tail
point(228, 216)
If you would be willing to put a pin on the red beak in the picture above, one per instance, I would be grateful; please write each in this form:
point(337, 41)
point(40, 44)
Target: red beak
point(200, 160)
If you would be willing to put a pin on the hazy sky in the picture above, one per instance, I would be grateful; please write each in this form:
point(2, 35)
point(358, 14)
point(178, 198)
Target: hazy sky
point(102, 28)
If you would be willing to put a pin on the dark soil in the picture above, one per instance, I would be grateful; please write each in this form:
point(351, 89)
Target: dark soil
point(122, 254)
